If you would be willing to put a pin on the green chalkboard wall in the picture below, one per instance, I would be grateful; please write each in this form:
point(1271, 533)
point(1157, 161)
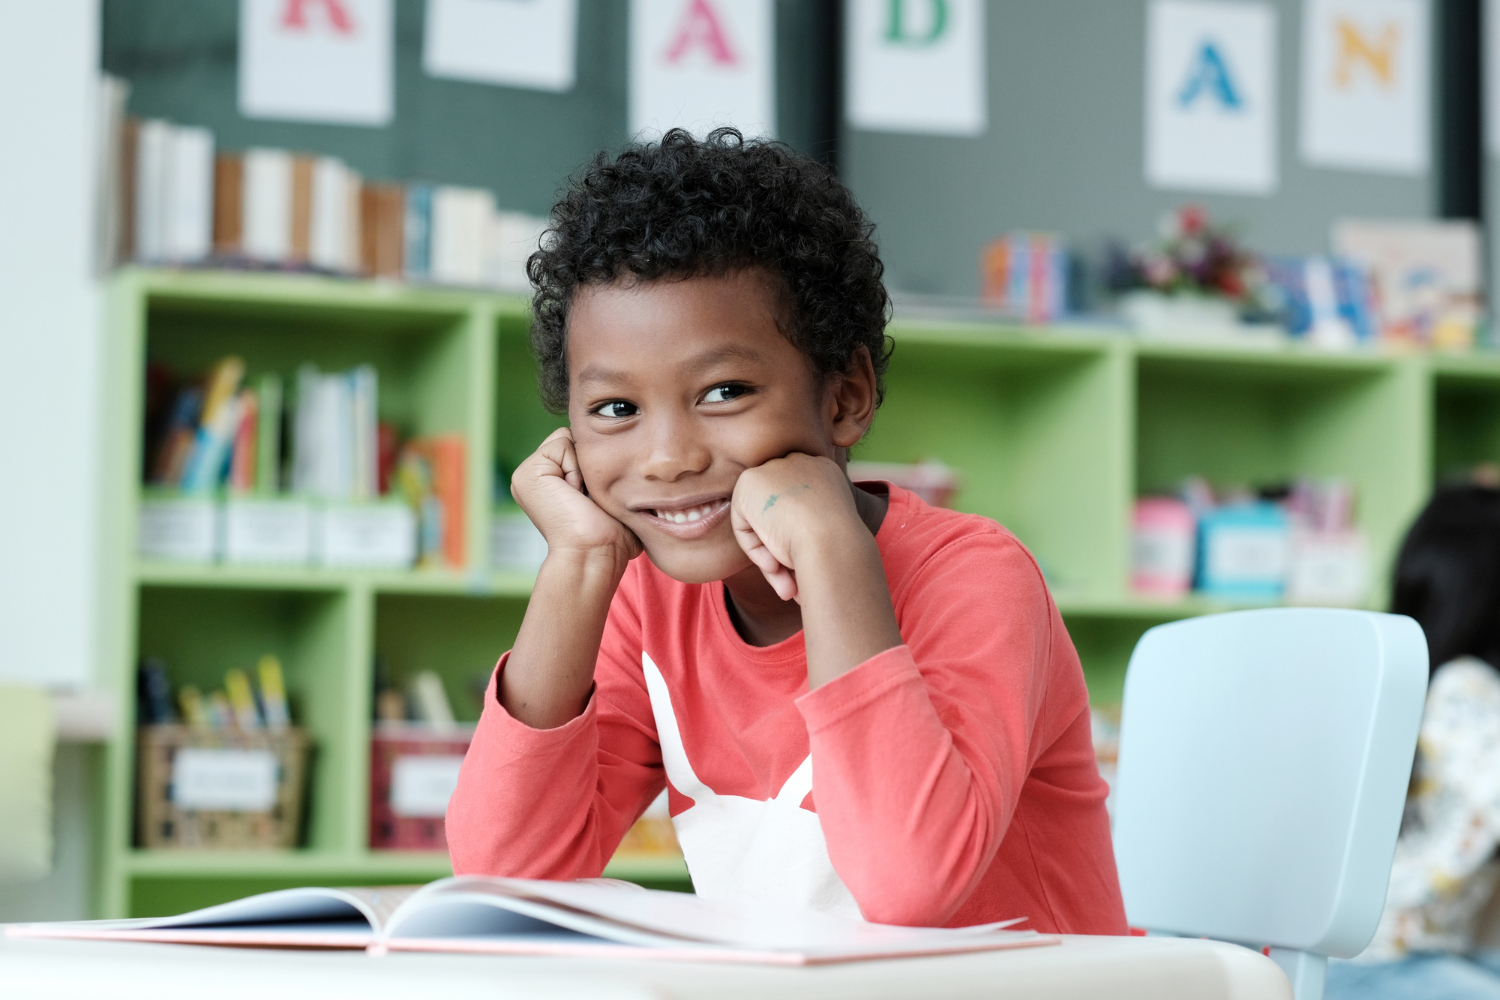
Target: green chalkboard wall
point(180, 57)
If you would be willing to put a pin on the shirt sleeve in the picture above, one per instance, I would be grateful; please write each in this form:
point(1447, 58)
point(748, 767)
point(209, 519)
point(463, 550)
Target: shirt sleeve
point(1455, 826)
point(555, 803)
point(920, 752)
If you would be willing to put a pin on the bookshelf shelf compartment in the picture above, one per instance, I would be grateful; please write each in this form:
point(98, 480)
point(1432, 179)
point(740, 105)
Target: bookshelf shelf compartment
point(458, 637)
point(200, 633)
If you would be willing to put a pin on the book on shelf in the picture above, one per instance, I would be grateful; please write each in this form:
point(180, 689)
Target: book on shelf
point(507, 916)
point(344, 504)
point(167, 195)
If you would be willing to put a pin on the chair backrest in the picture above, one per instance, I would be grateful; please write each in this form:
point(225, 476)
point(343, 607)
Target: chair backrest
point(1264, 763)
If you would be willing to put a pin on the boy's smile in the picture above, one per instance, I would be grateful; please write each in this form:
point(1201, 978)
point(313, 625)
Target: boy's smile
point(676, 387)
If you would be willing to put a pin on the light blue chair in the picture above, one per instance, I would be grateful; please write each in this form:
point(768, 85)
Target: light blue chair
point(1264, 763)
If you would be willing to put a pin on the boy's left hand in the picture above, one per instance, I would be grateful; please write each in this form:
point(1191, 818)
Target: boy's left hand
point(782, 510)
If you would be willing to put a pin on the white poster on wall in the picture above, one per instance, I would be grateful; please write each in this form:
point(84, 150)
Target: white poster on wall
point(916, 66)
point(516, 43)
point(316, 60)
point(701, 64)
point(1365, 83)
point(1490, 60)
point(1211, 96)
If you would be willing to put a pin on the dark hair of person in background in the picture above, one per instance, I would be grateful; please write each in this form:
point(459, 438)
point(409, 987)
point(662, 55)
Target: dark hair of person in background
point(686, 207)
point(1448, 574)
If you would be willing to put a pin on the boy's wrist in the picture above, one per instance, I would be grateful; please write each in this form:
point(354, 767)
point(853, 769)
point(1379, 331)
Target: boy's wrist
point(593, 562)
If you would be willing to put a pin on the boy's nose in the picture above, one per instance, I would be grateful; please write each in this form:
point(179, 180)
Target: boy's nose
point(676, 451)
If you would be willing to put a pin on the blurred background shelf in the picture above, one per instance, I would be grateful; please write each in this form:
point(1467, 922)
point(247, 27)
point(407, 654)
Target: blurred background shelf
point(1054, 432)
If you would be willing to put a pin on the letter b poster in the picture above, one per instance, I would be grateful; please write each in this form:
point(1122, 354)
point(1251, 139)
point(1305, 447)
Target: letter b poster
point(917, 66)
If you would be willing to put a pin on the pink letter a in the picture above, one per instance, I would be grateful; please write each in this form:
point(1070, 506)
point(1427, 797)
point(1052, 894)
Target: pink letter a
point(295, 15)
point(700, 26)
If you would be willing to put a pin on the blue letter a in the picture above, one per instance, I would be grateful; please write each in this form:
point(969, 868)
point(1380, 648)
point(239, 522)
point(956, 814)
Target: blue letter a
point(1210, 73)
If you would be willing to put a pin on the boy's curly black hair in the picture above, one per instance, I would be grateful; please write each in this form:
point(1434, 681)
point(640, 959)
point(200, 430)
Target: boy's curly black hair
point(685, 207)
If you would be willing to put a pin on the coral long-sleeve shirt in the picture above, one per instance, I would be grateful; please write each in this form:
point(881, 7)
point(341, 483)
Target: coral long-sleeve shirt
point(946, 782)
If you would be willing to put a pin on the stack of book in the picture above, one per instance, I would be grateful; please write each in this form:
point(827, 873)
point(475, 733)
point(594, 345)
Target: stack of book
point(237, 472)
point(173, 199)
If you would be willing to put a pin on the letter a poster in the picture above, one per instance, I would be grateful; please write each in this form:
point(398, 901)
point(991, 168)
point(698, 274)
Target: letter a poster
point(316, 61)
point(700, 64)
point(1365, 85)
point(1211, 96)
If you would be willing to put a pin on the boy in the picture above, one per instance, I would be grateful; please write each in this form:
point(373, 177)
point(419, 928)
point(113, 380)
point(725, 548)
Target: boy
point(855, 701)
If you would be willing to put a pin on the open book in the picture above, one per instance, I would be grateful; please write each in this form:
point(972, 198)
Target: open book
point(525, 917)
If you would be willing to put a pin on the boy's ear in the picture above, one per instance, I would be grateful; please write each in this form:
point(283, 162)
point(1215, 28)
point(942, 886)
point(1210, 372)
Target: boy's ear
point(851, 400)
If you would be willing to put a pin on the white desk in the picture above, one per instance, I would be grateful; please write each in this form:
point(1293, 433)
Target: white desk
point(1081, 967)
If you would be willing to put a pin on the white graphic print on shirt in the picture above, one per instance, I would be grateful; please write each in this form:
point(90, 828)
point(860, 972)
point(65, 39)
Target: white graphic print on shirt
point(747, 848)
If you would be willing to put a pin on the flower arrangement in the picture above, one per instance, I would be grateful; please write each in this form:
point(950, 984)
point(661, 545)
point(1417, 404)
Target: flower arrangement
point(1194, 257)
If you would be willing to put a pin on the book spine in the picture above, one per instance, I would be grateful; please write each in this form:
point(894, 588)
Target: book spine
point(417, 232)
point(244, 458)
point(299, 241)
point(327, 226)
point(354, 246)
point(229, 205)
point(447, 453)
point(188, 225)
point(129, 171)
point(268, 205)
point(268, 435)
point(304, 432)
point(383, 207)
point(152, 182)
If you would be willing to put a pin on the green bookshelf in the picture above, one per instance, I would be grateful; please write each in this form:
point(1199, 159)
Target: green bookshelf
point(1054, 432)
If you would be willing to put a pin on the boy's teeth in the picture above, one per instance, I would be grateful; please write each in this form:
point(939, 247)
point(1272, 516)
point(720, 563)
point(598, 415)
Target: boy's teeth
point(685, 516)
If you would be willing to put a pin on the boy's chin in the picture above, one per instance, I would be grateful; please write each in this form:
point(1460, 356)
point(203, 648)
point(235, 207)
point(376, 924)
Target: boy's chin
point(697, 563)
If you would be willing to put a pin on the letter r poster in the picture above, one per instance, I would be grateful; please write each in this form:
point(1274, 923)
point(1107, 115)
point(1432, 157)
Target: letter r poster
point(700, 64)
point(1211, 96)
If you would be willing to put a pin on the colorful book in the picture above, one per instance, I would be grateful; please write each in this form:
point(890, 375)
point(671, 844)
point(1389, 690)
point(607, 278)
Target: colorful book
point(299, 240)
point(229, 205)
point(417, 232)
point(445, 453)
point(382, 214)
point(244, 459)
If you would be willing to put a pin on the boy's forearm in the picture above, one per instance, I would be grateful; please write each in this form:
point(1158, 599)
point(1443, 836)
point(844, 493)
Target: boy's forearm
point(547, 680)
point(847, 615)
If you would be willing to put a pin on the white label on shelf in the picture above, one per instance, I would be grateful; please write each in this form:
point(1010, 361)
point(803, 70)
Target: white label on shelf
point(1244, 555)
point(1164, 552)
point(178, 529)
point(267, 531)
point(241, 780)
point(376, 536)
point(421, 784)
point(515, 543)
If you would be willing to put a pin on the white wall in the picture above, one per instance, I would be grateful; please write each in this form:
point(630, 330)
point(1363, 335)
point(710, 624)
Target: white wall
point(49, 342)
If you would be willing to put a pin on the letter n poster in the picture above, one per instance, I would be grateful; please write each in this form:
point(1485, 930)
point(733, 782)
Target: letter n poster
point(700, 64)
point(1365, 84)
point(316, 61)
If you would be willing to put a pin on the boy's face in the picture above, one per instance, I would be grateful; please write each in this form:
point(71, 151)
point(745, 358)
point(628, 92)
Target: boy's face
point(675, 388)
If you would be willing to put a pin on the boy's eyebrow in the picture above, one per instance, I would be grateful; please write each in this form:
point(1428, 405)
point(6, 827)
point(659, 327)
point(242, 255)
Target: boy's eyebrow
point(594, 374)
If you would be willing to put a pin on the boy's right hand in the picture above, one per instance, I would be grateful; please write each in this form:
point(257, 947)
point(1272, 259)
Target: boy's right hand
point(549, 487)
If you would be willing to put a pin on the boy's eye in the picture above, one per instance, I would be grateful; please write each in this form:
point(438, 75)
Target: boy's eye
point(616, 408)
point(726, 392)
